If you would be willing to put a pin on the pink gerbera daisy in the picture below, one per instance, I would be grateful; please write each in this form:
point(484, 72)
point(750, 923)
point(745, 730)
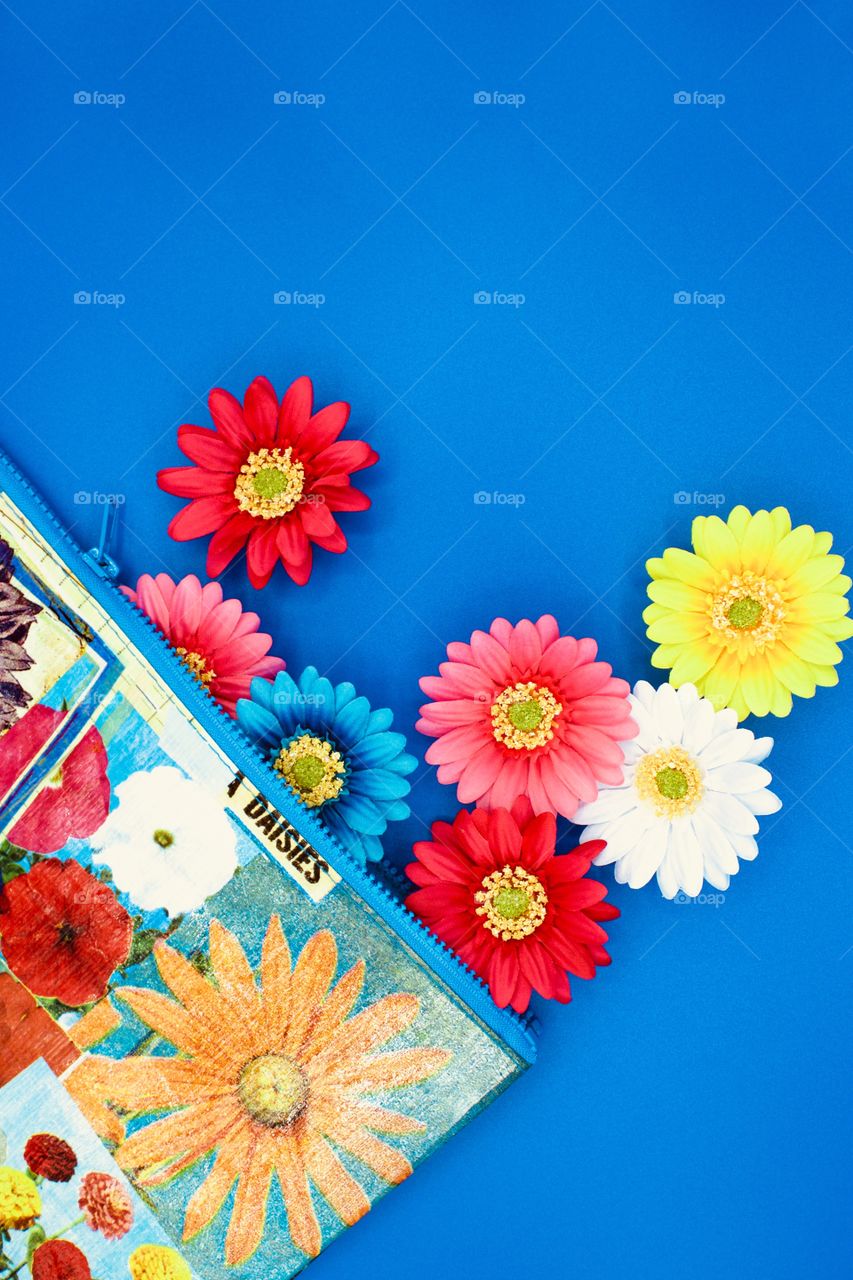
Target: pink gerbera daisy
point(269, 477)
point(219, 642)
point(522, 710)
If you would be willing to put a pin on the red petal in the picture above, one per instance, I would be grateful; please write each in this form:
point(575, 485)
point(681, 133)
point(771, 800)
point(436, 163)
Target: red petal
point(260, 409)
point(227, 541)
point(342, 497)
point(317, 519)
point(324, 428)
point(293, 544)
point(295, 411)
point(193, 482)
point(503, 973)
point(208, 449)
point(262, 554)
point(201, 517)
point(228, 418)
point(345, 455)
point(538, 841)
point(300, 573)
point(504, 836)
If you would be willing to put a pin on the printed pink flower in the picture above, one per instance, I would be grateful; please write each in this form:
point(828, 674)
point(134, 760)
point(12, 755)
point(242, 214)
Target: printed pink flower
point(74, 801)
point(106, 1205)
point(269, 477)
point(522, 710)
point(215, 638)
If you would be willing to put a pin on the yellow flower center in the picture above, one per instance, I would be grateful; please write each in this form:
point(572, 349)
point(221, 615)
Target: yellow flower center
point(157, 1262)
point(270, 483)
point(312, 768)
point(670, 781)
point(523, 716)
point(748, 611)
point(512, 902)
point(20, 1202)
point(273, 1089)
point(197, 664)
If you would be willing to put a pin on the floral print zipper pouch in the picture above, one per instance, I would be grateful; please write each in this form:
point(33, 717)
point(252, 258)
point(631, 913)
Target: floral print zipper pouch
point(221, 1040)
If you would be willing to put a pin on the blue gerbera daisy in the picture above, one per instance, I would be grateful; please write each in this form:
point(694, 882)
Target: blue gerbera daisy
point(335, 753)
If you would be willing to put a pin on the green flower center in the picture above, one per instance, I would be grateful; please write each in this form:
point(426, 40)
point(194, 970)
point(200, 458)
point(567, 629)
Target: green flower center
point(163, 838)
point(672, 783)
point(511, 904)
point(269, 482)
point(525, 715)
point(273, 1089)
point(745, 613)
point(307, 772)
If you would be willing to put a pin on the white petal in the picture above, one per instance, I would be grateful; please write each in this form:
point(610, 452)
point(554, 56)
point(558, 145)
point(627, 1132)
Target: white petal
point(640, 864)
point(644, 693)
point(667, 879)
point(724, 720)
point(716, 877)
point(668, 714)
point(715, 843)
point(760, 750)
point(729, 813)
point(698, 726)
point(745, 847)
point(610, 803)
point(727, 747)
point(623, 833)
point(737, 778)
point(686, 856)
point(761, 802)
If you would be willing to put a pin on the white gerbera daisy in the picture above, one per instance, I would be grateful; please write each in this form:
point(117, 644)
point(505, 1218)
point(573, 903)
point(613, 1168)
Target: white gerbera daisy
point(168, 843)
point(688, 804)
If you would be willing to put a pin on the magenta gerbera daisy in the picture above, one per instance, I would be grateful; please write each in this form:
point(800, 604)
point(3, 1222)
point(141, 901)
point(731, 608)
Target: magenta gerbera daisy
point(522, 710)
point(268, 477)
point(216, 639)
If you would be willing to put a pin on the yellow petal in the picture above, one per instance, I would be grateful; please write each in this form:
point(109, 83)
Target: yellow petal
point(815, 574)
point(819, 606)
point(720, 682)
point(715, 542)
point(665, 655)
point(677, 595)
point(792, 552)
point(822, 543)
point(827, 677)
point(679, 627)
point(738, 521)
point(781, 518)
point(795, 674)
point(758, 542)
point(684, 566)
point(693, 663)
point(812, 645)
point(757, 685)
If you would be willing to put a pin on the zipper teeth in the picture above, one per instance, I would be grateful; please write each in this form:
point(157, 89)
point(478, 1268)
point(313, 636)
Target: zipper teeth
point(184, 683)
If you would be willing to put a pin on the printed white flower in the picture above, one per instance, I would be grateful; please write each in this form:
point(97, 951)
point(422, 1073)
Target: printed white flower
point(689, 802)
point(168, 843)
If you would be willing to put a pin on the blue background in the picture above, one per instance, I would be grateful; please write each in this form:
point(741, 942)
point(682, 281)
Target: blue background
point(689, 1116)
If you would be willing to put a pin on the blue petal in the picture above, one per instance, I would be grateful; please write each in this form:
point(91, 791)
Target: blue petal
point(344, 693)
point(308, 679)
point(351, 723)
point(380, 720)
point(362, 814)
point(372, 848)
point(261, 725)
point(380, 784)
point(377, 749)
point(403, 763)
point(396, 811)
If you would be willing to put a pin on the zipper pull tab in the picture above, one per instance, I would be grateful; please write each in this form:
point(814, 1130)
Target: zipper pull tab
point(99, 557)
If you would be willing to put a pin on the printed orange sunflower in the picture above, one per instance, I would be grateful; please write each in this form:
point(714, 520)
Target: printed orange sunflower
point(273, 1075)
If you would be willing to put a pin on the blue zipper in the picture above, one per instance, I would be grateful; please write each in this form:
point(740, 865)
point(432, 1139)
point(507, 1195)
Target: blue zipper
point(515, 1030)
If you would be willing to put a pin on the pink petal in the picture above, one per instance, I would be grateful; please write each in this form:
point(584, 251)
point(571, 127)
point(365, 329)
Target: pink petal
point(457, 744)
point(479, 774)
point(186, 609)
point(548, 630)
point(491, 656)
point(525, 648)
point(585, 679)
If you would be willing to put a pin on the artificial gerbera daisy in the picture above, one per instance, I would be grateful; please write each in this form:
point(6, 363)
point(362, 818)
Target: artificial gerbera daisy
point(491, 886)
point(335, 753)
point(216, 639)
point(75, 798)
point(47, 1156)
point(269, 477)
point(753, 614)
point(107, 1206)
point(688, 807)
point(523, 710)
point(62, 931)
point(275, 1077)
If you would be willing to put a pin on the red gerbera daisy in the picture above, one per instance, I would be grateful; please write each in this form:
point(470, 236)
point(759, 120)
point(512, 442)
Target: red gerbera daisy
point(269, 477)
point(63, 932)
point(74, 801)
point(60, 1260)
point(215, 638)
point(493, 889)
point(106, 1205)
point(50, 1157)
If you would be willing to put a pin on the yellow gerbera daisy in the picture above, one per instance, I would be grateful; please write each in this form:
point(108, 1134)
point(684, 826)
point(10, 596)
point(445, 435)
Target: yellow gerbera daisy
point(272, 1075)
point(753, 614)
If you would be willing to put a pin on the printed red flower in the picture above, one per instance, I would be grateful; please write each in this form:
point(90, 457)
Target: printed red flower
point(268, 477)
point(74, 801)
point(27, 1033)
point(493, 889)
point(60, 1260)
point(107, 1206)
point(63, 932)
point(219, 643)
point(50, 1157)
